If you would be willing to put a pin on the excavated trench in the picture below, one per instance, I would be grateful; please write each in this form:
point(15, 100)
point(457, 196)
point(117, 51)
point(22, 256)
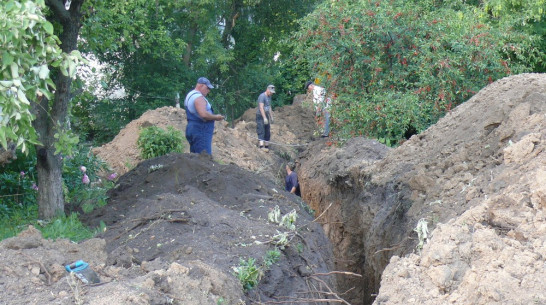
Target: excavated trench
point(370, 197)
point(367, 223)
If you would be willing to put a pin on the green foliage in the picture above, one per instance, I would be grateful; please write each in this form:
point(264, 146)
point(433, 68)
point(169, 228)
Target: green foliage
point(250, 274)
point(17, 220)
point(18, 191)
point(162, 47)
point(27, 47)
point(16, 184)
point(271, 257)
point(399, 65)
point(79, 195)
point(68, 227)
point(526, 20)
point(154, 141)
point(98, 120)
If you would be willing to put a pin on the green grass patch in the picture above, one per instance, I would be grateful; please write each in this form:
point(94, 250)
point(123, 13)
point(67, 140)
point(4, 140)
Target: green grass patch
point(69, 227)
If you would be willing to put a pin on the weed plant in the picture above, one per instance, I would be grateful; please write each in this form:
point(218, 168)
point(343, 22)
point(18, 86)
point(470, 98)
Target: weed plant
point(250, 274)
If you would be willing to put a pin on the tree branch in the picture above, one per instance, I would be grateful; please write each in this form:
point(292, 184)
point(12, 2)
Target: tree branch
point(59, 10)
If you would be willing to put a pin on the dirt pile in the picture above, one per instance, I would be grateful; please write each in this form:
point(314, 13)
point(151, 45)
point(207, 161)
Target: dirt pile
point(293, 129)
point(177, 226)
point(477, 179)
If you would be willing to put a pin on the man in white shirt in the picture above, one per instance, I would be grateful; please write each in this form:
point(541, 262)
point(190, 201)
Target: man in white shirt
point(322, 105)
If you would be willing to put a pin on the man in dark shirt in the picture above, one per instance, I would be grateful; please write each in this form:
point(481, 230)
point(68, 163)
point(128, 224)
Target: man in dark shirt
point(291, 181)
point(264, 117)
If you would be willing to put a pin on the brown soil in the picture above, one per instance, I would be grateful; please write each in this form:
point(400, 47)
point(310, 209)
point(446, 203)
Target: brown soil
point(177, 225)
point(477, 176)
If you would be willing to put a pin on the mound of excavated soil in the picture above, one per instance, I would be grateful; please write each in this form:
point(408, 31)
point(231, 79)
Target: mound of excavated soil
point(477, 178)
point(177, 226)
point(293, 129)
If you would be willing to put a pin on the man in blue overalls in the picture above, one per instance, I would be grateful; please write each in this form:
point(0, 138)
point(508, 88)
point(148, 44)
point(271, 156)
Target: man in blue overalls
point(200, 117)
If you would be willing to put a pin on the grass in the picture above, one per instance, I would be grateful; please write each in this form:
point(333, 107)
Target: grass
point(68, 227)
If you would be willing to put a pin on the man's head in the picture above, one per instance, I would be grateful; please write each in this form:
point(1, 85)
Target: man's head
point(290, 167)
point(270, 89)
point(204, 85)
point(309, 86)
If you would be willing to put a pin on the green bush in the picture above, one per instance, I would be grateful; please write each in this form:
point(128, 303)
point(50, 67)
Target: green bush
point(80, 195)
point(154, 141)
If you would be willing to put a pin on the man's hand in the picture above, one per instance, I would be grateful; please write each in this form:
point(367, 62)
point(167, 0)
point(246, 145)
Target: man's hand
point(266, 121)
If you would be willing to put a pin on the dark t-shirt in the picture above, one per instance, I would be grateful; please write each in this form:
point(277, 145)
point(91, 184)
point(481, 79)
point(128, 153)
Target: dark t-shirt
point(291, 181)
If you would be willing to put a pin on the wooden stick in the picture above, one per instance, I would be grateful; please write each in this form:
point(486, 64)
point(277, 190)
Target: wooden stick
point(339, 272)
point(41, 266)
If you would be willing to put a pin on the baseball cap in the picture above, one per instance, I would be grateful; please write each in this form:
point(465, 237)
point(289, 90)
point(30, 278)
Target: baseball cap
point(204, 80)
point(271, 88)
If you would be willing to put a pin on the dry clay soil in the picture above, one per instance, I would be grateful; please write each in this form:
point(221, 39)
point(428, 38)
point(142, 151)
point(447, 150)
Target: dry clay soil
point(178, 225)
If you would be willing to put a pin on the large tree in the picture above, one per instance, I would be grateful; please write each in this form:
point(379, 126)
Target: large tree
point(51, 115)
point(33, 108)
point(163, 46)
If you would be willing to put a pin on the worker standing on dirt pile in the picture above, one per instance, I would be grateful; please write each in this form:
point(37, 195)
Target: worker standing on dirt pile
point(291, 181)
point(200, 117)
point(264, 118)
point(322, 105)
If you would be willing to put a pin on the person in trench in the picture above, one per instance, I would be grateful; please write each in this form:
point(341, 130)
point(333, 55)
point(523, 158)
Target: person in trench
point(292, 184)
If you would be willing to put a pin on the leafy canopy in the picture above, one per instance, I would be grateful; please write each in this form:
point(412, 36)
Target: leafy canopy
point(395, 67)
point(28, 47)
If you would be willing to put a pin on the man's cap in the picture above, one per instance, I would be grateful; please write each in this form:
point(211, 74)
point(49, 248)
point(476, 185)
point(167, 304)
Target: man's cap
point(271, 88)
point(309, 83)
point(291, 165)
point(205, 81)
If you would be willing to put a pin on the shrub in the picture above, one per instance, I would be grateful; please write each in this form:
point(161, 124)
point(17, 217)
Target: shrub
point(154, 141)
point(83, 188)
point(396, 66)
point(18, 184)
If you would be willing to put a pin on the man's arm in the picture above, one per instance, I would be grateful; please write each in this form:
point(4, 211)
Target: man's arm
point(201, 108)
point(261, 105)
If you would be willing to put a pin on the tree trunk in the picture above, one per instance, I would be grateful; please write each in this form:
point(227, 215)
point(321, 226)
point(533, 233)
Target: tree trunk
point(189, 46)
point(50, 192)
point(235, 11)
point(49, 165)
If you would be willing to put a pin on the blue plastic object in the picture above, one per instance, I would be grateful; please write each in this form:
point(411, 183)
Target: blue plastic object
point(77, 266)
